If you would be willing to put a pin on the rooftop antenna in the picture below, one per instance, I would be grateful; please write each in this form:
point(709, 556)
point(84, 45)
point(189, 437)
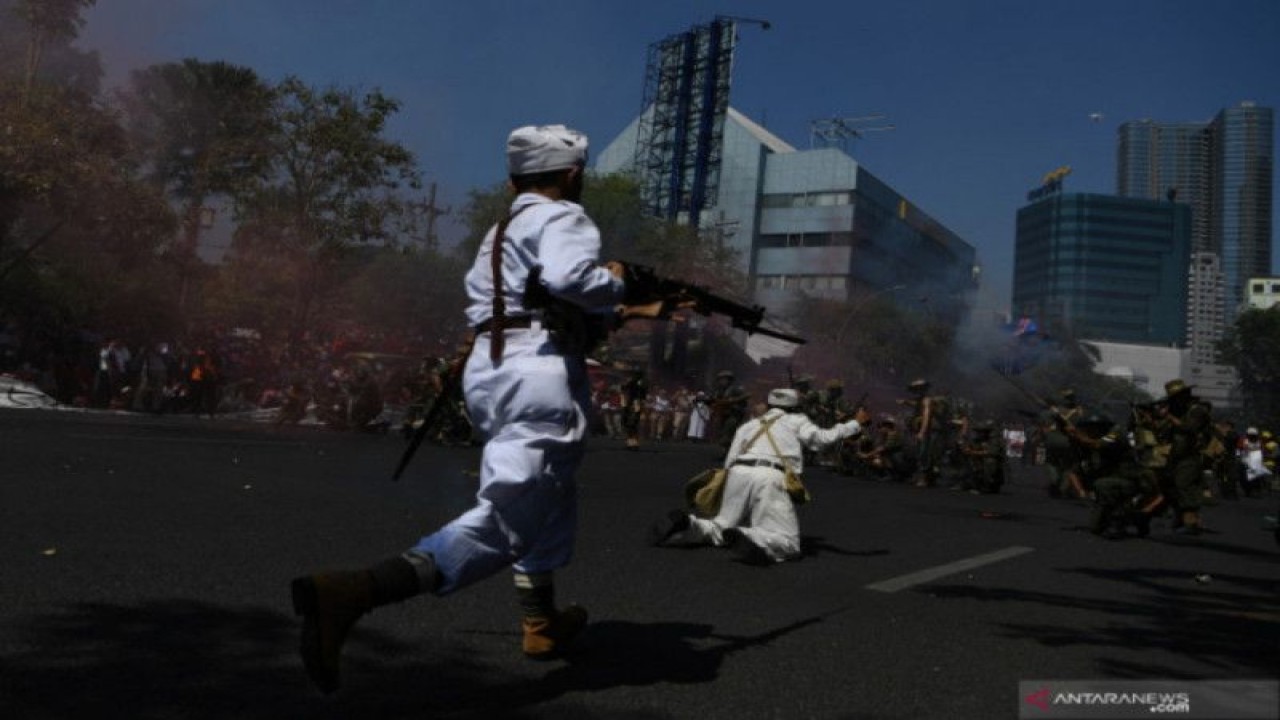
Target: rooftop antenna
point(837, 131)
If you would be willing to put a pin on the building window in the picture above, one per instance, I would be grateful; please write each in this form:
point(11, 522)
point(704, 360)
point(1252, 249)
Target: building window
point(803, 200)
point(826, 239)
point(806, 283)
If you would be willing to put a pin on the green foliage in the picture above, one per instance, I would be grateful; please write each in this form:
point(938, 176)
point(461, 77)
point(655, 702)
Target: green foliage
point(331, 172)
point(331, 182)
point(1252, 346)
point(409, 291)
point(77, 231)
point(485, 207)
point(44, 29)
point(199, 126)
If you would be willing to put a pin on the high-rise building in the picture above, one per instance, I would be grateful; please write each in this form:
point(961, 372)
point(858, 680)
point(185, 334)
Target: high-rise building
point(1242, 141)
point(1168, 161)
point(1222, 168)
point(1102, 267)
point(1205, 324)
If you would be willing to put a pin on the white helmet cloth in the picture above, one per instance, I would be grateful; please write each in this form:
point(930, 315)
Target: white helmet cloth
point(542, 148)
point(784, 398)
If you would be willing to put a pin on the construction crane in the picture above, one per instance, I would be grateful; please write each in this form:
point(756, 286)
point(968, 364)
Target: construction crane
point(839, 130)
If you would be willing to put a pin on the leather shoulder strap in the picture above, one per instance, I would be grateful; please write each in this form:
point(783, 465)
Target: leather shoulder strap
point(498, 320)
point(769, 435)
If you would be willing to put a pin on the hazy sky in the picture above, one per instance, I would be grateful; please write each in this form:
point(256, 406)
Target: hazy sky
point(985, 97)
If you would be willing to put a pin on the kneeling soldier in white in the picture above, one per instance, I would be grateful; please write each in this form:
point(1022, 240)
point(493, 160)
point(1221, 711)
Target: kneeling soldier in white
point(757, 518)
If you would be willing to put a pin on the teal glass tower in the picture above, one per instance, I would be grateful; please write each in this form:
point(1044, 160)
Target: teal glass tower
point(1103, 267)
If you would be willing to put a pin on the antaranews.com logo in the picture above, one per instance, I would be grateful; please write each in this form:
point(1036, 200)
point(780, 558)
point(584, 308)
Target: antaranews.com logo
point(1199, 699)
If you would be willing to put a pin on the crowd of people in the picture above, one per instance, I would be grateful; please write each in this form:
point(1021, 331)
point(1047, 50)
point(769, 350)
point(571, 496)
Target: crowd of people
point(1169, 458)
point(344, 379)
point(356, 380)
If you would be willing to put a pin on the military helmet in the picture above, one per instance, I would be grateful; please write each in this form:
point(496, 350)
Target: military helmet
point(835, 384)
point(918, 385)
point(723, 374)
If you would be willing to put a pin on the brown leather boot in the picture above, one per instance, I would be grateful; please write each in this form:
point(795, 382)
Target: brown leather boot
point(331, 603)
point(546, 637)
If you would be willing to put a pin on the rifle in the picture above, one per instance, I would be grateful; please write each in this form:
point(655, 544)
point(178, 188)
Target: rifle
point(1058, 419)
point(437, 407)
point(644, 285)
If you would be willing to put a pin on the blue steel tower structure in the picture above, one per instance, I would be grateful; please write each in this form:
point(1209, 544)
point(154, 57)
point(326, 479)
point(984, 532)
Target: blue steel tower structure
point(681, 130)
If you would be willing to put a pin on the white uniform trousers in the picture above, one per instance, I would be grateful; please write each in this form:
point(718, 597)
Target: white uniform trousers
point(532, 409)
point(756, 502)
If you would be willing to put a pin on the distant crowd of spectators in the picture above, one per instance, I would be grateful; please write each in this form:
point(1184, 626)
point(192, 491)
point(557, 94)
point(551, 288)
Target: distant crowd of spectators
point(220, 370)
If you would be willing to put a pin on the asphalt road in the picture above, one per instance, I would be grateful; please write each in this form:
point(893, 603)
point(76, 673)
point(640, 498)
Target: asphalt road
point(145, 566)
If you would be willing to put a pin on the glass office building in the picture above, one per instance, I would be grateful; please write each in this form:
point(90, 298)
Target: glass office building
point(1103, 267)
point(816, 223)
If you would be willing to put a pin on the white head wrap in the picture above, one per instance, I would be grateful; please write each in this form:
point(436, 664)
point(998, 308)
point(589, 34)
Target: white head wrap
point(784, 398)
point(543, 148)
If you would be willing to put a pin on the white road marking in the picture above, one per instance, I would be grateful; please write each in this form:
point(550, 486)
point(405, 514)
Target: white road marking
point(903, 582)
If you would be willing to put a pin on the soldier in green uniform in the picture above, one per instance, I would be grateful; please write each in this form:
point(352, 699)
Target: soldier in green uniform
point(1186, 427)
point(954, 435)
point(1152, 456)
point(810, 405)
point(728, 407)
point(1061, 452)
point(984, 457)
point(887, 459)
point(926, 431)
point(810, 399)
point(833, 409)
point(1120, 483)
point(634, 393)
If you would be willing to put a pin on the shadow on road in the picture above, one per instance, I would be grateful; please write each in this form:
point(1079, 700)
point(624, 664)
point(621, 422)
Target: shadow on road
point(196, 660)
point(1229, 623)
point(811, 545)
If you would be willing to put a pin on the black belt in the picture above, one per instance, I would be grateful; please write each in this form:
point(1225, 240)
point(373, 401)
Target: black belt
point(762, 463)
point(517, 322)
